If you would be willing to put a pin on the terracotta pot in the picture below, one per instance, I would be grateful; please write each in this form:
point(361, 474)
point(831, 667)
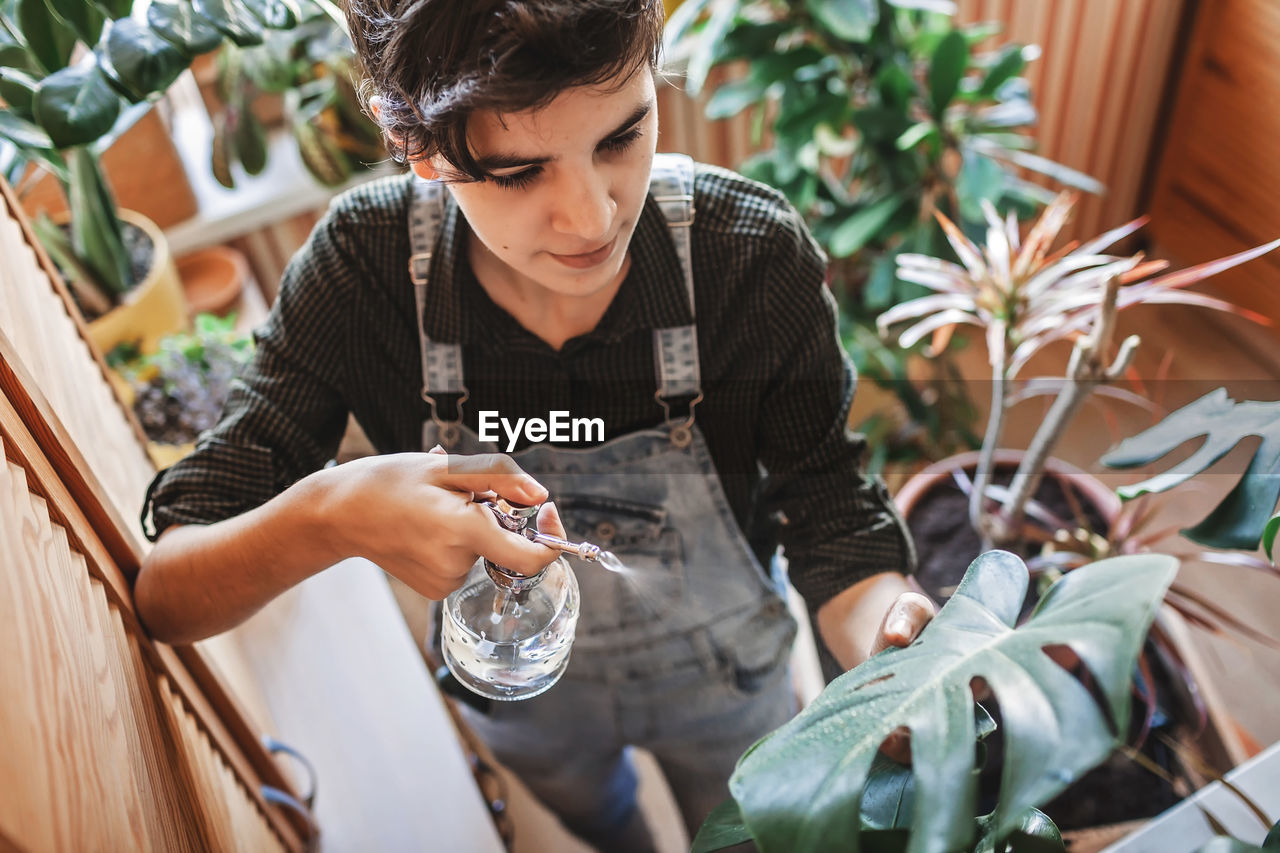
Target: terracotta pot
point(212, 279)
point(1095, 491)
point(154, 308)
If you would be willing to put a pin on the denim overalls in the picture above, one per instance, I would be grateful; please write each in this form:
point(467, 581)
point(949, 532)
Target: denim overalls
point(687, 657)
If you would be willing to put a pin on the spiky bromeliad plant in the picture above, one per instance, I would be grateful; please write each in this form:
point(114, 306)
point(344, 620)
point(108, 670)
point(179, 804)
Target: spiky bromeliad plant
point(818, 783)
point(74, 76)
point(1024, 297)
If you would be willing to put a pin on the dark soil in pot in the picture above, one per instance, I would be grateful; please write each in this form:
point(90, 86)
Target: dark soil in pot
point(1118, 790)
point(141, 254)
point(946, 544)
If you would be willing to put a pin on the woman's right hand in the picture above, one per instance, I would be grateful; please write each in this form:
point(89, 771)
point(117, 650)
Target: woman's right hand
point(414, 515)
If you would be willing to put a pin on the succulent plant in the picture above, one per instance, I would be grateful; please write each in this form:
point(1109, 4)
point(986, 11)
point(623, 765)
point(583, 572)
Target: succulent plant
point(179, 390)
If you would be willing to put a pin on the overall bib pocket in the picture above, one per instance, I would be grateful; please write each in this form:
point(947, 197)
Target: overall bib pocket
point(652, 580)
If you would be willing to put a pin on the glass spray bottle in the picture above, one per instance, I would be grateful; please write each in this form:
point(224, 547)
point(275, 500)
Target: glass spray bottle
point(506, 635)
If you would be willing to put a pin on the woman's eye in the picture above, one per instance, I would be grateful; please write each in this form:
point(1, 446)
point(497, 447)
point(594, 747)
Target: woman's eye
point(622, 141)
point(515, 181)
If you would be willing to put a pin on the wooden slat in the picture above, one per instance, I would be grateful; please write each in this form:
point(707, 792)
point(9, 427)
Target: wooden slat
point(48, 520)
point(66, 428)
point(1098, 86)
point(1218, 184)
point(84, 741)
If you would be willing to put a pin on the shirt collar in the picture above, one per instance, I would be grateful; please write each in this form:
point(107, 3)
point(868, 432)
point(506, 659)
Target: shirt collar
point(653, 295)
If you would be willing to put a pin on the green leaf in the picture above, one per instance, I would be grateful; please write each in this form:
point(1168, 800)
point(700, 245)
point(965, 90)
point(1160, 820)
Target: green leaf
point(916, 134)
point(799, 787)
point(722, 15)
point(23, 133)
point(232, 19)
point(1272, 841)
point(96, 236)
point(1009, 65)
point(722, 828)
point(1238, 521)
point(251, 142)
point(84, 17)
point(949, 63)
point(176, 22)
point(142, 61)
point(75, 105)
point(979, 178)
point(48, 40)
point(732, 98)
point(275, 14)
point(1269, 542)
point(851, 20)
point(18, 89)
point(1034, 832)
point(858, 230)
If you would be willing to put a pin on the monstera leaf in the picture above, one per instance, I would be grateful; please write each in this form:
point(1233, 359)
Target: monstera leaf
point(802, 787)
point(1239, 520)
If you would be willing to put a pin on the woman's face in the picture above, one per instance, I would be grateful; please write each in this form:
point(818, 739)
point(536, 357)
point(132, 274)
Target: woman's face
point(567, 185)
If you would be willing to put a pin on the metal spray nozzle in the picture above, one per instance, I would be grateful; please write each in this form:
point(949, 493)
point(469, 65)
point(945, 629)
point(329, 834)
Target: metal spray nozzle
point(516, 518)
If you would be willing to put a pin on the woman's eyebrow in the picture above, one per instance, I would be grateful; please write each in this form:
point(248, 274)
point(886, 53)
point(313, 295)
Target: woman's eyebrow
point(499, 160)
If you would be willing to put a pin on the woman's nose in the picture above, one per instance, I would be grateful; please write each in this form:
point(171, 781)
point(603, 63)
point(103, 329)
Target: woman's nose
point(584, 207)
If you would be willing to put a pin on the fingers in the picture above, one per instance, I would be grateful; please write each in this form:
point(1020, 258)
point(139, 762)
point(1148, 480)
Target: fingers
point(491, 472)
point(549, 520)
point(897, 746)
point(507, 549)
point(904, 621)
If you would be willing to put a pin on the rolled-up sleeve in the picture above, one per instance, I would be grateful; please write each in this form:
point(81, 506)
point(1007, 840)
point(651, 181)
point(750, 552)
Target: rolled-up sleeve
point(286, 413)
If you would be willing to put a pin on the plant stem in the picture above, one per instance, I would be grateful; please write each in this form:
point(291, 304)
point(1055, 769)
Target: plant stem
point(978, 519)
point(1086, 370)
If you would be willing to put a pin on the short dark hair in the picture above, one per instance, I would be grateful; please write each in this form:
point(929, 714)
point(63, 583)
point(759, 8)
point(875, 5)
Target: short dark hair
point(434, 62)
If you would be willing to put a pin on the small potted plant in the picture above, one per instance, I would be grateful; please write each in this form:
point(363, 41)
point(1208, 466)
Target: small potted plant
point(61, 106)
point(178, 391)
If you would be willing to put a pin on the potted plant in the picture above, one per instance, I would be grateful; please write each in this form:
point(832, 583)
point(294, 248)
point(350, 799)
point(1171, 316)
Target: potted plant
point(819, 783)
point(1023, 296)
point(72, 81)
point(310, 67)
point(178, 391)
point(879, 113)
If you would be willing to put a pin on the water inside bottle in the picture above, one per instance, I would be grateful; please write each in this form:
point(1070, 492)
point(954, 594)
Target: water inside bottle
point(514, 650)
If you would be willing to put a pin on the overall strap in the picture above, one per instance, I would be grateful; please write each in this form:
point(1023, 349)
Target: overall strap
point(441, 362)
point(676, 349)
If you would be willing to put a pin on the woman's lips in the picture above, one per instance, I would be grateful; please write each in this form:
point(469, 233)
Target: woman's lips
point(587, 259)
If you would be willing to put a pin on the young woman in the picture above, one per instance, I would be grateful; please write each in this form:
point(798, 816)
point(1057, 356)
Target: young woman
point(535, 260)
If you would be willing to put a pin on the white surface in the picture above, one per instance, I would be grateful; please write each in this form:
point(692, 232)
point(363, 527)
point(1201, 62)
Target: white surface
point(342, 681)
point(1183, 828)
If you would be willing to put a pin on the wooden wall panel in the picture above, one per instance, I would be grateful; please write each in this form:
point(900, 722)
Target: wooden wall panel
point(1098, 86)
point(61, 367)
point(100, 754)
point(1217, 190)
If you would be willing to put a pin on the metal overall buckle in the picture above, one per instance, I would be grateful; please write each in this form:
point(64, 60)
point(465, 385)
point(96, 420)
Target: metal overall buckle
point(681, 434)
point(447, 432)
